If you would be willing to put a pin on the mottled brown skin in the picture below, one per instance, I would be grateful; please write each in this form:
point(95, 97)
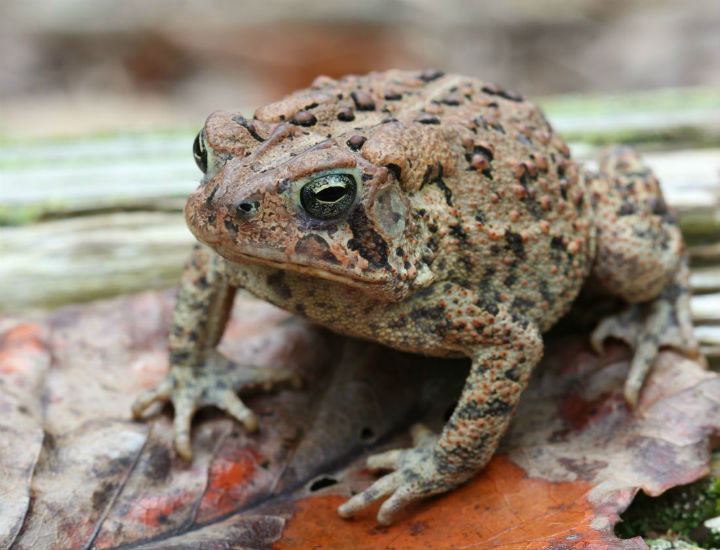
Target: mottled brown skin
point(470, 233)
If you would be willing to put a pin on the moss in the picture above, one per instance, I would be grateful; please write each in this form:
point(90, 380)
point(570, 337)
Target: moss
point(14, 215)
point(677, 137)
point(676, 515)
point(681, 117)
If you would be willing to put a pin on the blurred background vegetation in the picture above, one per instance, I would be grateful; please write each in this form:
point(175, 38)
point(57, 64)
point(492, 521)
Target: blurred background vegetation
point(73, 66)
point(100, 101)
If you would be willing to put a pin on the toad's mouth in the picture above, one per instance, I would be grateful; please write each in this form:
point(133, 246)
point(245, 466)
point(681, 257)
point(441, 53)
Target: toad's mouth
point(342, 276)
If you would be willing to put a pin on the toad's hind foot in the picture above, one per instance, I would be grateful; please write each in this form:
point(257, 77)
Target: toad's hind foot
point(639, 258)
point(648, 326)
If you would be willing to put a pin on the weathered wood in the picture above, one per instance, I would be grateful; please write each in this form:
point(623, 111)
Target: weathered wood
point(99, 216)
point(705, 279)
point(127, 239)
point(63, 178)
point(83, 258)
point(51, 178)
point(705, 254)
point(706, 308)
point(680, 117)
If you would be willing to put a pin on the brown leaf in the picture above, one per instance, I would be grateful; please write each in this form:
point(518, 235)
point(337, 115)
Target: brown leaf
point(571, 462)
point(23, 364)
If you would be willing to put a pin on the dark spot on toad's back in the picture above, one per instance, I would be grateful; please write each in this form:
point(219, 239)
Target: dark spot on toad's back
point(486, 280)
point(494, 89)
point(521, 304)
point(514, 243)
point(545, 292)
point(451, 99)
point(441, 184)
point(429, 75)
point(426, 118)
point(249, 126)
point(346, 114)
point(363, 100)
point(356, 142)
point(458, 231)
point(488, 305)
point(303, 118)
point(482, 149)
point(513, 373)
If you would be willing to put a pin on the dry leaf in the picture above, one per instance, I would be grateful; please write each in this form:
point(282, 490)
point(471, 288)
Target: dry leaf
point(78, 473)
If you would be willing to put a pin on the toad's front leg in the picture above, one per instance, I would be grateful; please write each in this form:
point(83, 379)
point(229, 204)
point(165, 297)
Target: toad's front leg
point(499, 373)
point(199, 375)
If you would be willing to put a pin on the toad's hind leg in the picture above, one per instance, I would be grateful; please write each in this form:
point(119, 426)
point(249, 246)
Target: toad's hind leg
point(639, 258)
point(647, 326)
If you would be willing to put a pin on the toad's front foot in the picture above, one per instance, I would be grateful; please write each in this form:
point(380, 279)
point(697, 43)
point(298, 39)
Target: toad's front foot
point(213, 381)
point(418, 474)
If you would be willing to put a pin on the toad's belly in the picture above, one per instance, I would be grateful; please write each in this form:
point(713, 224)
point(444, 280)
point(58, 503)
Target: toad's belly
point(434, 321)
point(414, 325)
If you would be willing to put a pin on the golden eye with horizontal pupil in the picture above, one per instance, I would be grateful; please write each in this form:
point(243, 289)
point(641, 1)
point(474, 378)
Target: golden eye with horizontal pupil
point(200, 153)
point(328, 197)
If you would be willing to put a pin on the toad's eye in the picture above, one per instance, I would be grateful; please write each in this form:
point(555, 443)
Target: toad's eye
point(200, 153)
point(328, 197)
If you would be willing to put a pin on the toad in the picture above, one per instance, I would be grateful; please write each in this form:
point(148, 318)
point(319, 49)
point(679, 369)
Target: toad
point(436, 214)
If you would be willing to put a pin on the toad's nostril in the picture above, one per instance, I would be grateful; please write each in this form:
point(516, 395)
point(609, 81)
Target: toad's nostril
point(247, 208)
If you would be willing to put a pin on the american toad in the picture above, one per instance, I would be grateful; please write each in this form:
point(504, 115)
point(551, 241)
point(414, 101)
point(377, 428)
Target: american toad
point(436, 214)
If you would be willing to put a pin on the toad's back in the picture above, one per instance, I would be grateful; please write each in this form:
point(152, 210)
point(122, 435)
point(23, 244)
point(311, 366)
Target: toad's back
point(498, 205)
